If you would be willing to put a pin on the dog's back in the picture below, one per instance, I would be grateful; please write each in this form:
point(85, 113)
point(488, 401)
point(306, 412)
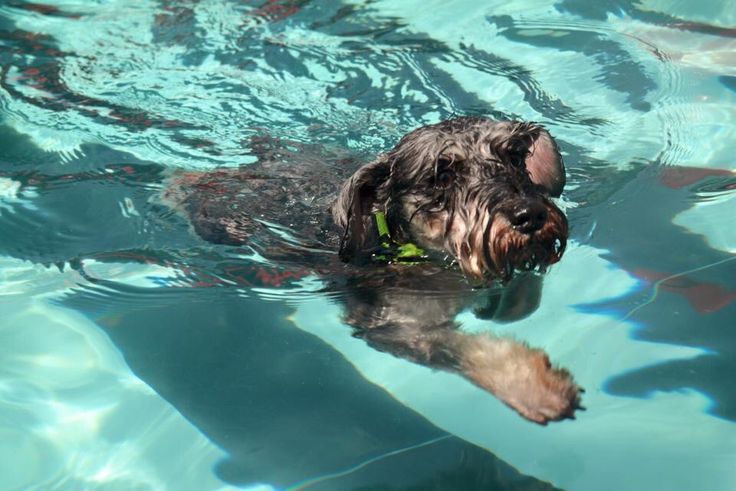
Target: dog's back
point(285, 192)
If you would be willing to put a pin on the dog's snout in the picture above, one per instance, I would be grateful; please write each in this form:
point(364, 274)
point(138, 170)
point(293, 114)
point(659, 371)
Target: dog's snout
point(528, 217)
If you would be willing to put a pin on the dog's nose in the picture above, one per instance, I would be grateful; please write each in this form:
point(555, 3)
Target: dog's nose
point(528, 217)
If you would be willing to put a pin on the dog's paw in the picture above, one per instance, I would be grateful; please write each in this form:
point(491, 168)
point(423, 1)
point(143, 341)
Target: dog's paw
point(521, 377)
point(548, 394)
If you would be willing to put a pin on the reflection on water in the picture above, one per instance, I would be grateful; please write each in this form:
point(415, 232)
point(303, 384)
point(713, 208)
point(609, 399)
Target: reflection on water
point(688, 282)
point(129, 346)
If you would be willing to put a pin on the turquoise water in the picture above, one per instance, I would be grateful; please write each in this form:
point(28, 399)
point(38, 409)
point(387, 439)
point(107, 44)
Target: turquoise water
point(135, 356)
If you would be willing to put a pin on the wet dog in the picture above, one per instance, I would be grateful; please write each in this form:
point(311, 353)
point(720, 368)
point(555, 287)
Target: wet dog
point(459, 204)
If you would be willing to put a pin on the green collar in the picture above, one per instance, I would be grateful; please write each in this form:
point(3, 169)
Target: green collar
point(391, 252)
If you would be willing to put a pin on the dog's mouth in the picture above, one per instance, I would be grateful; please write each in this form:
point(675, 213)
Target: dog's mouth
point(513, 250)
point(496, 249)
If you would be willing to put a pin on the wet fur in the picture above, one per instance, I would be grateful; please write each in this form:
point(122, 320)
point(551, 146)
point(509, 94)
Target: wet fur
point(457, 189)
point(487, 164)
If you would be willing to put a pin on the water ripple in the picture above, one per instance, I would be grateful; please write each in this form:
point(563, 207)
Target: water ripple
point(100, 102)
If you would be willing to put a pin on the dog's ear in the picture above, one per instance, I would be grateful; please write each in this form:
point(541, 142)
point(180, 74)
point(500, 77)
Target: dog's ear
point(532, 145)
point(544, 163)
point(353, 209)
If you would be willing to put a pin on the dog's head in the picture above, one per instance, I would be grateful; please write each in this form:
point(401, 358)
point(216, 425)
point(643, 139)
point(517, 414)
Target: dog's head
point(475, 189)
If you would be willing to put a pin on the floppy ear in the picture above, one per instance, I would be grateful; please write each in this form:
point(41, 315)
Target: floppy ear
point(353, 209)
point(544, 163)
point(532, 145)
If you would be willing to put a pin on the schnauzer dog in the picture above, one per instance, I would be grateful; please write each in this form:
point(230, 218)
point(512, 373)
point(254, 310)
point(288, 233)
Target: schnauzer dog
point(457, 205)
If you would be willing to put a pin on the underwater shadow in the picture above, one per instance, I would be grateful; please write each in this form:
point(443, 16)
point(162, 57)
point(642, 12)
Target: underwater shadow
point(686, 295)
point(288, 409)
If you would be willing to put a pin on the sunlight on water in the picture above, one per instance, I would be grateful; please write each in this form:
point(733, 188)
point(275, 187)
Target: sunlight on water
point(77, 418)
point(707, 219)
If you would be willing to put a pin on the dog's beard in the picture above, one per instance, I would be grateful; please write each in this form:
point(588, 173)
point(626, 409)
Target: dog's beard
point(511, 250)
point(487, 246)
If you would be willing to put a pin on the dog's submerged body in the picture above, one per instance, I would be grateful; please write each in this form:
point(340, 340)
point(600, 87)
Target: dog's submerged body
point(469, 189)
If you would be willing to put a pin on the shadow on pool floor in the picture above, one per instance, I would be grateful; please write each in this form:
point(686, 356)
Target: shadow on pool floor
point(285, 406)
point(686, 295)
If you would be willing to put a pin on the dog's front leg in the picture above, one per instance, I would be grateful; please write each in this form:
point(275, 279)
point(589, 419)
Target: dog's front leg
point(520, 376)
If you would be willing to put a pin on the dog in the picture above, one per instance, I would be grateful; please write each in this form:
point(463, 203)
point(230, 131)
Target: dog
point(457, 215)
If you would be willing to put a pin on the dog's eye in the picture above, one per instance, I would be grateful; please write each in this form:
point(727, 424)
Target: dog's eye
point(517, 156)
point(444, 178)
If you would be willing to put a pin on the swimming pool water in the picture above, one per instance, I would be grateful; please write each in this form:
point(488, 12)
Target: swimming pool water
point(135, 356)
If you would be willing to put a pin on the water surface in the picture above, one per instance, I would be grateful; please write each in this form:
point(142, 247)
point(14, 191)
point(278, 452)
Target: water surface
point(134, 355)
